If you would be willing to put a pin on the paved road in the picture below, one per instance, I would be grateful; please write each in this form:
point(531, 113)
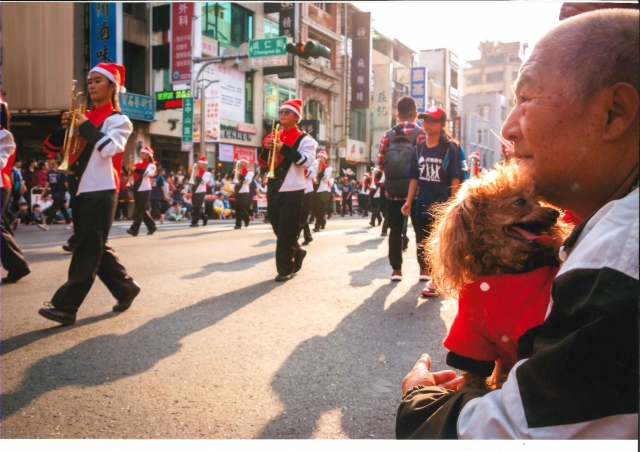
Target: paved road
point(213, 347)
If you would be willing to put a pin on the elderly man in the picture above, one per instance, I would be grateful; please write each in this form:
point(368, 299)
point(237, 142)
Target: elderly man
point(575, 128)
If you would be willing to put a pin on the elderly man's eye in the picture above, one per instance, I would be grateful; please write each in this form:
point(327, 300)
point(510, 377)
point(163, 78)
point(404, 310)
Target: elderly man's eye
point(520, 202)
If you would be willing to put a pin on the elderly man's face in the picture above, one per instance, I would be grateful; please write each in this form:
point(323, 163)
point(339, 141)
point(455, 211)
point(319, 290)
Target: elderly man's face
point(553, 139)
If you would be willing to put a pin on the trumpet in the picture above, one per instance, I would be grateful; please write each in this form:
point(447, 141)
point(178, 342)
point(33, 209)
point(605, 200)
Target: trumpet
point(72, 145)
point(194, 171)
point(273, 154)
point(236, 178)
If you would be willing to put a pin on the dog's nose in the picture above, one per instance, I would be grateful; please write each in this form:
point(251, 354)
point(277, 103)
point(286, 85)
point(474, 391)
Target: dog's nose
point(553, 213)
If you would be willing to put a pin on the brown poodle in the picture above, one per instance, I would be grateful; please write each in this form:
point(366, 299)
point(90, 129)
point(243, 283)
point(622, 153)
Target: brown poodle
point(495, 247)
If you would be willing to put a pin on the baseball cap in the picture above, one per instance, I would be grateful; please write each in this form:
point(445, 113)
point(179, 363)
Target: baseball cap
point(436, 114)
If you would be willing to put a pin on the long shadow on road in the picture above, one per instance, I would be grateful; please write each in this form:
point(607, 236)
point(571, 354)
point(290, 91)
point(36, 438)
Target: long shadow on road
point(357, 369)
point(239, 265)
point(112, 357)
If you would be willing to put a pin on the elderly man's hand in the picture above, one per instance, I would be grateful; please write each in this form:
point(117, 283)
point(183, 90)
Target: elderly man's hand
point(420, 375)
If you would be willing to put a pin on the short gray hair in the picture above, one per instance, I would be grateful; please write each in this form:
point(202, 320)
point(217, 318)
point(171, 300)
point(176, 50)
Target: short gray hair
point(594, 50)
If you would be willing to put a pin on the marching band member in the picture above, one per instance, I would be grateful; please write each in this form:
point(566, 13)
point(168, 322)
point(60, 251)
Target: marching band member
point(363, 195)
point(375, 199)
point(198, 192)
point(295, 153)
point(103, 134)
point(12, 259)
point(323, 193)
point(243, 191)
point(142, 175)
point(307, 202)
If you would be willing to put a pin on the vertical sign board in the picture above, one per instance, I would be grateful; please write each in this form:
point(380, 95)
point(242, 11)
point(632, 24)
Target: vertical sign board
point(361, 61)
point(103, 33)
point(187, 124)
point(419, 87)
point(181, 21)
point(382, 97)
point(288, 27)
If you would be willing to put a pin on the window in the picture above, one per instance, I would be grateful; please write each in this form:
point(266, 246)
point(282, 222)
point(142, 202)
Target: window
point(494, 77)
point(274, 96)
point(271, 28)
point(248, 97)
point(358, 129)
point(134, 64)
point(484, 111)
point(229, 23)
point(474, 80)
point(137, 10)
point(314, 110)
point(322, 5)
point(496, 59)
point(454, 78)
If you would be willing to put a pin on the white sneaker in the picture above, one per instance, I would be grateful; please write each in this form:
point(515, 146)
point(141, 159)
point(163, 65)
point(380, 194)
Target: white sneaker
point(396, 275)
point(44, 227)
point(69, 226)
point(424, 276)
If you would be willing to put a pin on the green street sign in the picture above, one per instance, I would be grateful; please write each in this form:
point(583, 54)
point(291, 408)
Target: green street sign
point(270, 47)
point(187, 119)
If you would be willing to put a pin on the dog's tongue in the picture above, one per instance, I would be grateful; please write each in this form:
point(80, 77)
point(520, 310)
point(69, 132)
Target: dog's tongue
point(540, 239)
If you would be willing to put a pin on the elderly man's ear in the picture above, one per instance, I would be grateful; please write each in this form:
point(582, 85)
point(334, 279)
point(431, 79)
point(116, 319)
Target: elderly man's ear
point(622, 105)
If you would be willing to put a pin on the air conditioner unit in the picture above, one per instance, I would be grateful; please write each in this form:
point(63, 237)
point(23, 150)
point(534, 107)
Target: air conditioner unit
point(324, 62)
point(322, 132)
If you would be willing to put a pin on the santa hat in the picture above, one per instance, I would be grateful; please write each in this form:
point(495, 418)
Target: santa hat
point(114, 72)
point(322, 154)
point(295, 105)
point(147, 150)
point(475, 155)
point(202, 160)
point(244, 160)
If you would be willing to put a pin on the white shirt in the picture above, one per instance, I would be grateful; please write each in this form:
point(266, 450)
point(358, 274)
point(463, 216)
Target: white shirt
point(311, 174)
point(206, 178)
point(149, 172)
point(294, 180)
point(7, 148)
point(100, 173)
point(325, 183)
point(246, 183)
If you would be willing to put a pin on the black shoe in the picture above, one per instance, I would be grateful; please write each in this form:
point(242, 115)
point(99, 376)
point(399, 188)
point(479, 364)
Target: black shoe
point(125, 303)
point(68, 248)
point(246, 225)
point(12, 279)
point(151, 231)
point(316, 230)
point(193, 226)
point(205, 221)
point(307, 241)
point(298, 258)
point(281, 278)
point(237, 227)
point(265, 221)
point(384, 234)
point(133, 233)
point(57, 315)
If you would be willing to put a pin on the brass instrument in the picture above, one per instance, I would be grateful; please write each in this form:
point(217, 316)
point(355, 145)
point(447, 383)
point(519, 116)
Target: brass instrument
point(71, 145)
point(194, 171)
point(236, 178)
point(273, 154)
point(130, 172)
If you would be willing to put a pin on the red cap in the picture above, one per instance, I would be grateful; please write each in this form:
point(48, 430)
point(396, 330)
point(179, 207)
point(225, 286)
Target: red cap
point(114, 72)
point(432, 113)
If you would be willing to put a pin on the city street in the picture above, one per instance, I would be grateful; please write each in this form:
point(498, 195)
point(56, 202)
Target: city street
point(213, 347)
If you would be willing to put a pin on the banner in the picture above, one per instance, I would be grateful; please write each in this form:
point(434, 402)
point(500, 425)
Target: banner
point(181, 21)
point(419, 87)
point(102, 34)
point(233, 153)
point(361, 61)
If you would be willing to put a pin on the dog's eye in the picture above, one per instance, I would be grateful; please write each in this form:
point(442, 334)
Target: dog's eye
point(520, 202)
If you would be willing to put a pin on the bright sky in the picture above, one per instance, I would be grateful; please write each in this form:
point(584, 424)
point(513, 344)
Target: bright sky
point(460, 26)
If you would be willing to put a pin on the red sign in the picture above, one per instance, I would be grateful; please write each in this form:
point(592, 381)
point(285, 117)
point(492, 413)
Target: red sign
point(243, 152)
point(181, 21)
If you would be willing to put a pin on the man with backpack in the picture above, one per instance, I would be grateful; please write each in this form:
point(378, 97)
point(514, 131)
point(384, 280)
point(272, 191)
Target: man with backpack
point(394, 159)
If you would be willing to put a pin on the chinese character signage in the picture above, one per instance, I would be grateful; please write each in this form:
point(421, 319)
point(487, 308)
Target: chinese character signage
point(102, 23)
point(311, 126)
point(181, 20)
point(419, 87)
point(187, 124)
point(167, 100)
point(381, 107)
point(137, 107)
point(233, 153)
point(288, 26)
point(360, 61)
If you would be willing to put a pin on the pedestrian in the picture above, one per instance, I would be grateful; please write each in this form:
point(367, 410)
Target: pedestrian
point(30, 177)
point(243, 194)
point(431, 181)
point(57, 183)
point(124, 195)
point(199, 190)
point(142, 175)
point(363, 196)
point(18, 186)
point(159, 200)
point(95, 184)
point(295, 152)
point(323, 191)
point(575, 130)
point(394, 159)
point(12, 259)
point(375, 190)
point(347, 201)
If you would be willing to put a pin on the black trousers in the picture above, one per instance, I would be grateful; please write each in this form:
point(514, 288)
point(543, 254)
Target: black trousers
point(375, 211)
point(304, 215)
point(284, 209)
point(384, 210)
point(363, 204)
point(397, 233)
point(140, 212)
point(122, 209)
point(12, 259)
point(158, 207)
point(347, 202)
point(93, 256)
point(422, 228)
point(198, 212)
point(242, 209)
point(57, 206)
point(322, 202)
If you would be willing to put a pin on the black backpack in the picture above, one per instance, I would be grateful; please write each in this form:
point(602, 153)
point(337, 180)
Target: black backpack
point(397, 161)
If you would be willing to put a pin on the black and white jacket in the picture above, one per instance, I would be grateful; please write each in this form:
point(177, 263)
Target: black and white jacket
point(582, 379)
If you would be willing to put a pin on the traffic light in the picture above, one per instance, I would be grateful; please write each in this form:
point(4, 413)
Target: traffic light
point(309, 49)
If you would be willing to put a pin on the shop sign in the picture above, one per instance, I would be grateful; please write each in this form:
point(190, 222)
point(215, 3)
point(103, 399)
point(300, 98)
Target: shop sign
point(232, 133)
point(187, 124)
point(167, 100)
point(181, 19)
point(136, 106)
point(311, 126)
point(103, 33)
point(233, 153)
point(419, 87)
